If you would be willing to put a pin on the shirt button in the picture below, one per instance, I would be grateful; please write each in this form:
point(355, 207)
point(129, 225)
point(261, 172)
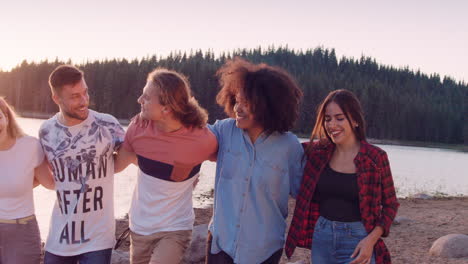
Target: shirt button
point(238, 226)
point(243, 195)
point(246, 179)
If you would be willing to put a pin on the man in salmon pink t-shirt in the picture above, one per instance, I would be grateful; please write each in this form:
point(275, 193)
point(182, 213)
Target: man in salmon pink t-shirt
point(168, 143)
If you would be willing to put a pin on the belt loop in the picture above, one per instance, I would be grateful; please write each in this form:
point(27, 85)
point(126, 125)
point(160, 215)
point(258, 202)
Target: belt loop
point(323, 222)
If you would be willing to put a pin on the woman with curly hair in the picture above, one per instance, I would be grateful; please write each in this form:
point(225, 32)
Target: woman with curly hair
point(347, 200)
point(258, 163)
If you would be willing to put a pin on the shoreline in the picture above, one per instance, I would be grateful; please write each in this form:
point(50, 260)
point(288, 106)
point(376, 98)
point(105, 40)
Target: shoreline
point(455, 147)
point(409, 241)
point(45, 116)
point(422, 221)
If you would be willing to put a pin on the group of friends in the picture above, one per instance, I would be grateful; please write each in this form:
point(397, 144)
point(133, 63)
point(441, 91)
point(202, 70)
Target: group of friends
point(345, 197)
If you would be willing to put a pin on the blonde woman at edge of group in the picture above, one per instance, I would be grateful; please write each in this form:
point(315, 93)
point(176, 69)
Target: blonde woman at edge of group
point(23, 167)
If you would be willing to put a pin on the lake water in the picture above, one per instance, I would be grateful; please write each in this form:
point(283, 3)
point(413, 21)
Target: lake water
point(415, 170)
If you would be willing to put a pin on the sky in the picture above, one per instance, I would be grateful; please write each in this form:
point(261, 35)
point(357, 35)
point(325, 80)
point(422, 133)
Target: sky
point(429, 35)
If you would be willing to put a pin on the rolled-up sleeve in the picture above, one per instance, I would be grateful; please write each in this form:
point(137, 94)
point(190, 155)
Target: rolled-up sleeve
point(389, 200)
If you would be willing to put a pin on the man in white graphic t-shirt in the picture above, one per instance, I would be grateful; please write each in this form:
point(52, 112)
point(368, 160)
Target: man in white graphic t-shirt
point(79, 144)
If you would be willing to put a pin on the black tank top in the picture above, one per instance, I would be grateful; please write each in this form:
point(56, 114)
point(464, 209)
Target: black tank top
point(338, 196)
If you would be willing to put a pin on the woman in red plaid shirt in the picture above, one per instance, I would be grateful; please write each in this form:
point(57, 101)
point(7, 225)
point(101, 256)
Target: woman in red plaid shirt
point(347, 200)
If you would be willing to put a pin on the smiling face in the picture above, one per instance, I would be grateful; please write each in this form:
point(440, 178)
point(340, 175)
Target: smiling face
point(245, 119)
point(151, 108)
point(73, 100)
point(337, 125)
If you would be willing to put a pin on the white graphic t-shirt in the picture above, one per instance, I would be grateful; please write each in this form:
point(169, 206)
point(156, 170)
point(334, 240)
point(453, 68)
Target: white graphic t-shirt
point(83, 166)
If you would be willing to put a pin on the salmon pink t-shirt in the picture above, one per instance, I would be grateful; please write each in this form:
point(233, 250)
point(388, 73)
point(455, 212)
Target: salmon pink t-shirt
point(169, 164)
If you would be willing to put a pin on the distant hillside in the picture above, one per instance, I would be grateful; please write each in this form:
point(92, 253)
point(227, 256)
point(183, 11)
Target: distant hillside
point(399, 103)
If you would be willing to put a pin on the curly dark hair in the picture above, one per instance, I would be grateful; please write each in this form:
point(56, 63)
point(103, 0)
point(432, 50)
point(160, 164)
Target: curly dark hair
point(272, 93)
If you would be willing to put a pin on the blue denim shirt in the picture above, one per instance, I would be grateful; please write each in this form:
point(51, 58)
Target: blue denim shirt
point(252, 186)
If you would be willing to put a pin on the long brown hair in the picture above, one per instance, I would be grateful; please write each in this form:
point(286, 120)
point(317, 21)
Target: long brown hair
point(175, 93)
point(13, 129)
point(349, 103)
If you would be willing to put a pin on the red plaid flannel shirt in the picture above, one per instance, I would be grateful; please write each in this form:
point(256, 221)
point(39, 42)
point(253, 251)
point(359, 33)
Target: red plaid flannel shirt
point(377, 200)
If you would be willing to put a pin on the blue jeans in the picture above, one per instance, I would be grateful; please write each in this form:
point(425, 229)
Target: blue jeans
point(334, 242)
point(93, 257)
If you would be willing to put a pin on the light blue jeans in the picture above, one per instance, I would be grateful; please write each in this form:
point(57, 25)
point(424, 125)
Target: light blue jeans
point(334, 242)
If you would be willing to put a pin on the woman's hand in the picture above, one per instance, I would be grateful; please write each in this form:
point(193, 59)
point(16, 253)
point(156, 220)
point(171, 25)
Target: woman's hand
point(363, 251)
point(43, 175)
point(365, 248)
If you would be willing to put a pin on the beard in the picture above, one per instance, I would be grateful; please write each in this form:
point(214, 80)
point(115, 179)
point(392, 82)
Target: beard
point(75, 115)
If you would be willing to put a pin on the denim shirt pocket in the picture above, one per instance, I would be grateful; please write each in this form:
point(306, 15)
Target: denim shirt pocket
point(231, 162)
point(273, 177)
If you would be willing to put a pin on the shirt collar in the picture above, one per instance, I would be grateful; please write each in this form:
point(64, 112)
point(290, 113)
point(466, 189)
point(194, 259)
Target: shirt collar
point(260, 139)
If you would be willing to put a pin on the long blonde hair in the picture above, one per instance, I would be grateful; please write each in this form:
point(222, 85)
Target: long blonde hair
point(13, 129)
point(175, 93)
